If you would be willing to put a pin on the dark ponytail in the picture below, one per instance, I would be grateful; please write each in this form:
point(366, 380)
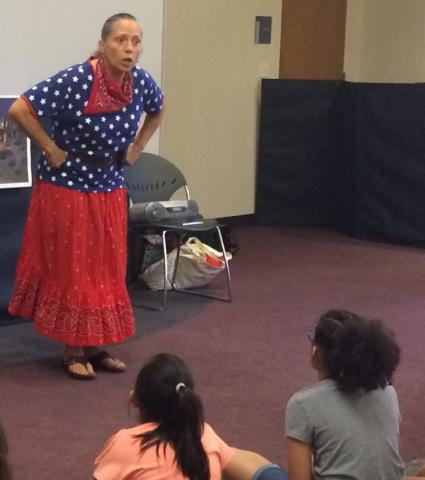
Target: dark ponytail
point(356, 352)
point(5, 473)
point(164, 392)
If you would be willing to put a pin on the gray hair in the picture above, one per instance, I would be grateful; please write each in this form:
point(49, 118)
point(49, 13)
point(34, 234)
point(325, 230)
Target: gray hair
point(109, 24)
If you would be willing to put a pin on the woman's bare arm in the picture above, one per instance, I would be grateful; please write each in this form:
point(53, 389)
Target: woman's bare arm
point(149, 127)
point(25, 118)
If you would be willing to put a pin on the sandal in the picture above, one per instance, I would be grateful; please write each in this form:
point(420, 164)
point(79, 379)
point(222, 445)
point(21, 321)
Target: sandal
point(76, 365)
point(103, 361)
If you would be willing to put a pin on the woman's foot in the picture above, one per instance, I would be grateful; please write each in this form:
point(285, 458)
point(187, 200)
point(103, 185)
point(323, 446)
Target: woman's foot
point(101, 360)
point(78, 368)
point(76, 364)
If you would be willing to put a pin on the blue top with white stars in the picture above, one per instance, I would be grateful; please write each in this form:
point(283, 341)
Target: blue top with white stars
point(63, 97)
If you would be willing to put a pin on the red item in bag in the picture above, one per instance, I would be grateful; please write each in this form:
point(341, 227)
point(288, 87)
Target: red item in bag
point(213, 261)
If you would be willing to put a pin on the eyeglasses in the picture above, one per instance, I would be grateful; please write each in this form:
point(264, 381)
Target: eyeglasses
point(310, 335)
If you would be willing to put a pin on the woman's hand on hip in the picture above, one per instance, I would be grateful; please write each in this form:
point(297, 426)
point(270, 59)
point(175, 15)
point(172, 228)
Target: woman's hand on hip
point(133, 153)
point(56, 156)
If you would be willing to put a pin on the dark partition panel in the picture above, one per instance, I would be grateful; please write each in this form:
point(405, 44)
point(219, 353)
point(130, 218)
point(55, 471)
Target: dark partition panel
point(299, 151)
point(344, 155)
point(14, 205)
point(391, 161)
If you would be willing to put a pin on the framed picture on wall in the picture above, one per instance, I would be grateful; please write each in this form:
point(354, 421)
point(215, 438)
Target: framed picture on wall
point(15, 149)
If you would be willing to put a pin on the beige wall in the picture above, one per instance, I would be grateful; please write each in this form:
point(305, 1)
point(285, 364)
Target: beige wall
point(211, 76)
point(385, 41)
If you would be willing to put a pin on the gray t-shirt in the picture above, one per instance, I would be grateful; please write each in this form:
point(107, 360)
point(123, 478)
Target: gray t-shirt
point(352, 436)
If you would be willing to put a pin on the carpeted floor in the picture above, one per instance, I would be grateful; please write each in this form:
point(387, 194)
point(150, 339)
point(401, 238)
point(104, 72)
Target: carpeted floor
point(248, 357)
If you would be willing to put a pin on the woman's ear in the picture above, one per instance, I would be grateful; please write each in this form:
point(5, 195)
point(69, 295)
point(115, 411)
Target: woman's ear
point(101, 46)
point(133, 399)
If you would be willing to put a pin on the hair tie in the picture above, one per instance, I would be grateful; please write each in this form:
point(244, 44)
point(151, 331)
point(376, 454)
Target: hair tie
point(179, 386)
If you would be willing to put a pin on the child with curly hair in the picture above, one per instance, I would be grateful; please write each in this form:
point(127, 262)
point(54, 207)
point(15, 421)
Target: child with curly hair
point(346, 426)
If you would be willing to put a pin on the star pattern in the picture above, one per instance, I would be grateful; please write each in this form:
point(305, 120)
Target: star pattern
point(64, 96)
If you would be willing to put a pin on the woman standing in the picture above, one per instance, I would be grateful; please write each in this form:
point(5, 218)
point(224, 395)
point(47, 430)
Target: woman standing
point(71, 272)
point(347, 424)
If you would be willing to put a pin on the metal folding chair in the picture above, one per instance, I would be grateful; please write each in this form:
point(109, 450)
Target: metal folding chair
point(154, 178)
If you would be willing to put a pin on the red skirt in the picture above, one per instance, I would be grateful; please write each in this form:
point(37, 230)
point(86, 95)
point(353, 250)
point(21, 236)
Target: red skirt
point(70, 276)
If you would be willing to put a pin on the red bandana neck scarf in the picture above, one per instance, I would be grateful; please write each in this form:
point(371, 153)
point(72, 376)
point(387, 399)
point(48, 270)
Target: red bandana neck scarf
point(106, 94)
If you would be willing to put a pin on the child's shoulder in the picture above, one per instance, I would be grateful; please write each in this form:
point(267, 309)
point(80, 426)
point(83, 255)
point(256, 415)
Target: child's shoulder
point(323, 389)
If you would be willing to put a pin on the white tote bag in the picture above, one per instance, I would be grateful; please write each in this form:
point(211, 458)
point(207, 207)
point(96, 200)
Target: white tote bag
point(198, 265)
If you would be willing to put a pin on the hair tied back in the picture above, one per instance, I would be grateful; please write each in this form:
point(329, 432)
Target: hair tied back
point(179, 387)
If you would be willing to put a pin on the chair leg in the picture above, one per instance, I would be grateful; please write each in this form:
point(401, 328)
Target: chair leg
point(163, 306)
point(165, 254)
point(135, 254)
point(226, 264)
point(176, 263)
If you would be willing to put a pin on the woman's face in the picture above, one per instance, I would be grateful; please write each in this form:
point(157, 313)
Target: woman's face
point(121, 49)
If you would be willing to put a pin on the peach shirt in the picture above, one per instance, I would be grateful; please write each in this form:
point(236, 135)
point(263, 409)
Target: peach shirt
point(121, 459)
